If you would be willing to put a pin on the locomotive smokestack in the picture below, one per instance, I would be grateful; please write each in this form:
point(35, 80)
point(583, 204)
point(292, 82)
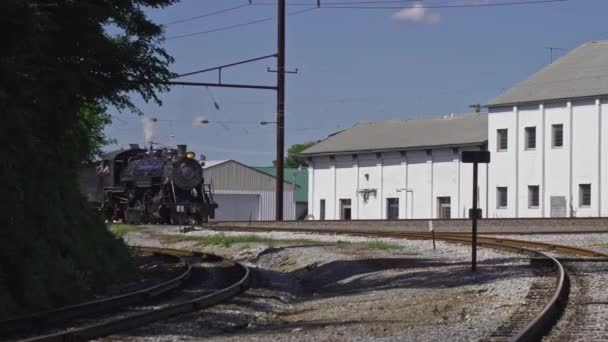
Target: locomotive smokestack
point(181, 151)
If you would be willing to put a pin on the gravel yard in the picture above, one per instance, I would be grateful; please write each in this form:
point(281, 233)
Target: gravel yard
point(317, 287)
point(585, 316)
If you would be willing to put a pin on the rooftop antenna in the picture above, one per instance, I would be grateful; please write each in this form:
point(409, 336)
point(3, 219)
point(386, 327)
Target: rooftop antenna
point(551, 49)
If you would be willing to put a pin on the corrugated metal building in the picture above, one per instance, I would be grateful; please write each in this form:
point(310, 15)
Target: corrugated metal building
point(244, 193)
point(300, 178)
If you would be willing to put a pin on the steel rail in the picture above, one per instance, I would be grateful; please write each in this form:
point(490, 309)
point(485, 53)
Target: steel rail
point(552, 247)
point(543, 322)
point(117, 324)
point(54, 316)
point(420, 235)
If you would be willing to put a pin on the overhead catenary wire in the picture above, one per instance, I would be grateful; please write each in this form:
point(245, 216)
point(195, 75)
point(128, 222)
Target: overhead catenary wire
point(205, 15)
point(237, 25)
point(371, 4)
point(357, 5)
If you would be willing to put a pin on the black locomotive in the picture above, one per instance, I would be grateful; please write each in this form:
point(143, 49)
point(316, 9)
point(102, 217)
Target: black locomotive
point(138, 185)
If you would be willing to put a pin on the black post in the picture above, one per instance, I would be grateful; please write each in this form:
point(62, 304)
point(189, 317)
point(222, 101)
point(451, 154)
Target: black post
point(474, 216)
point(475, 157)
point(280, 109)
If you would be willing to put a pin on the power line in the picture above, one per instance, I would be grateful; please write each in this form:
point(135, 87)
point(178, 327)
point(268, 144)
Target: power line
point(344, 5)
point(237, 25)
point(323, 3)
point(206, 15)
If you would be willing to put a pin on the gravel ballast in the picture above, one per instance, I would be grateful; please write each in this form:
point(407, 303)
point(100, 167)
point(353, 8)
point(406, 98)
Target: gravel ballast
point(322, 287)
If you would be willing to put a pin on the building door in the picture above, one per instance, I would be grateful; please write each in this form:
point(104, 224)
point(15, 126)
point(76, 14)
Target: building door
point(322, 210)
point(558, 206)
point(237, 207)
point(444, 207)
point(345, 209)
point(392, 208)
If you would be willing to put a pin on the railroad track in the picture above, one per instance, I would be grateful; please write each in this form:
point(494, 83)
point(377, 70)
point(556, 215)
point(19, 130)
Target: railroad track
point(547, 298)
point(178, 296)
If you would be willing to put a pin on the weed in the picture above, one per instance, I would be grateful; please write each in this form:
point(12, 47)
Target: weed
point(121, 230)
point(229, 240)
point(381, 245)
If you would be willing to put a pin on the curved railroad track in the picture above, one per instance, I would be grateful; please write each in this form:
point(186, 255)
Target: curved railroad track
point(110, 315)
point(548, 297)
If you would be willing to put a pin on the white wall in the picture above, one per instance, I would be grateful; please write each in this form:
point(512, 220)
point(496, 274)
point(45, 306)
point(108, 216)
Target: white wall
point(393, 179)
point(502, 168)
point(557, 170)
point(603, 156)
point(557, 159)
point(416, 178)
point(585, 153)
point(529, 166)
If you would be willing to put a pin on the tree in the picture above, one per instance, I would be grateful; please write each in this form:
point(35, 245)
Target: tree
point(293, 160)
point(60, 68)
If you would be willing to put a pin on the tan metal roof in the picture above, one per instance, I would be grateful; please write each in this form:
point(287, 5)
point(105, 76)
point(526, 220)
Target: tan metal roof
point(446, 131)
point(583, 72)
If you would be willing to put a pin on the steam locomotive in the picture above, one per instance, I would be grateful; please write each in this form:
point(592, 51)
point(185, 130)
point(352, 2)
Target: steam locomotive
point(138, 185)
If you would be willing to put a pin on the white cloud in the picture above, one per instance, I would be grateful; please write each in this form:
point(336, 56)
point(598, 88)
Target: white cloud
point(418, 14)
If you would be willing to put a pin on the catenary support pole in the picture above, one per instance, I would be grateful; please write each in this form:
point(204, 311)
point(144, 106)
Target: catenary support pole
point(280, 109)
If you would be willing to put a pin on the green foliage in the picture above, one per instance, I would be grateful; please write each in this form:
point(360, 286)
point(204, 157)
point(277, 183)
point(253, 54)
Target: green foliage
point(60, 68)
point(121, 230)
point(293, 160)
point(229, 240)
point(381, 245)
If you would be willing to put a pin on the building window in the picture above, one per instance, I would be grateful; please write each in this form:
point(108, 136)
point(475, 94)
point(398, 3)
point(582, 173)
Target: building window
point(444, 208)
point(530, 138)
point(322, 209)
point(501, 197)
point(533, 196)
point(392, 208)
point(557, 135)
point(584, 195)
point(502, 141)
point(345, 209)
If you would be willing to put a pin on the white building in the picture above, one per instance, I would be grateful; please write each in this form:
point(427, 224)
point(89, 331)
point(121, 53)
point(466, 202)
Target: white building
point(244, 193)
point(397, 169)
point(549, 154)
point(546, 137)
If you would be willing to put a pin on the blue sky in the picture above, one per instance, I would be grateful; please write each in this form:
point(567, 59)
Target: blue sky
point(354, 65)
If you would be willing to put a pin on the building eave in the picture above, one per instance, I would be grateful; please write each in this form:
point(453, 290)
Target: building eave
point(533, 102)
point(396, 149)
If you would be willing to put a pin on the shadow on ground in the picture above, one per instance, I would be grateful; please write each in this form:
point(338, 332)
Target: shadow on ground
point(272, 290)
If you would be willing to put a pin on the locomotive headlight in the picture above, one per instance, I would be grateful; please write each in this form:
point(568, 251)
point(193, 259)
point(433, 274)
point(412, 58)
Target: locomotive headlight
point(190, 155)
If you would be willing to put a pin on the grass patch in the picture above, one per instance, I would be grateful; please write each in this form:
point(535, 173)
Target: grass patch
point(121, 230)
point(229, 240)
point(383, 246)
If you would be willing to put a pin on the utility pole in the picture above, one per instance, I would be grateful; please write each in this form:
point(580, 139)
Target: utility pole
point(280, 88)
point(280, 110)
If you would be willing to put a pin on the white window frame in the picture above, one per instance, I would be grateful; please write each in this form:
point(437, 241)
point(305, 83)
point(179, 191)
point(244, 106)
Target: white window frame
point(531, 189)
point(499, 132)
point(527, 131)
point(498, 197)
point(581, 195)
point(553, 135)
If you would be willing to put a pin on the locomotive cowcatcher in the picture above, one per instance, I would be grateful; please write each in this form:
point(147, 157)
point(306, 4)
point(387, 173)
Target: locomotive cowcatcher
point(163, 185)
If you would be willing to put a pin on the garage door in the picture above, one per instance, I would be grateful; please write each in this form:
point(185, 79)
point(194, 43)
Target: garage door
point(237, 207)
